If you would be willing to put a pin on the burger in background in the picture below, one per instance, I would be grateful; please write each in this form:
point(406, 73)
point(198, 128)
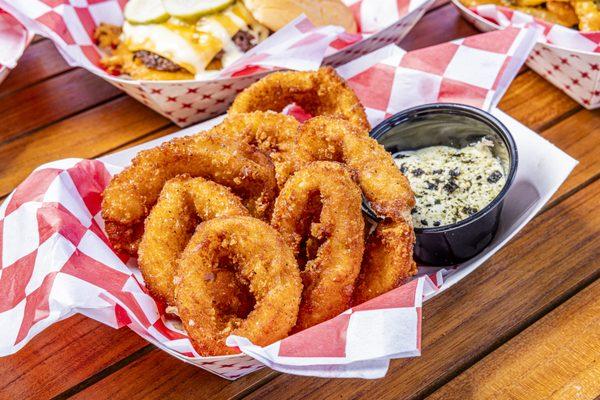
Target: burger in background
point(187, 39)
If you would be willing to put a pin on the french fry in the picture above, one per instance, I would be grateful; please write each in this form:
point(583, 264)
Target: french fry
point(544, 14)
point(588, 13)
point(529, 3)
point(563, 11)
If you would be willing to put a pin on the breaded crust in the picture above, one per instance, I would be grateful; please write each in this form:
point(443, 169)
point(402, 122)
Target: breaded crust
point(260, 259)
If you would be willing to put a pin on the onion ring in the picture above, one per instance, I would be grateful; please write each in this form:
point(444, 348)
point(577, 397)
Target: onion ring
point(132, 193)
point(261, 259)
point(320, 92)
point(385, 187)
point(388, 253)
point(388, 260)
point(322, 202)
point(182, 204)
point(273, 133)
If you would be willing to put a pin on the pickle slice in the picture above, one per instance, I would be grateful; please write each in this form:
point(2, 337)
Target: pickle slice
point(145, 12)
point(192, 9)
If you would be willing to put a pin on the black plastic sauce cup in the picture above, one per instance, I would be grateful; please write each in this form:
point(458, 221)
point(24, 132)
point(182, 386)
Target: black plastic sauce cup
point(457, 126)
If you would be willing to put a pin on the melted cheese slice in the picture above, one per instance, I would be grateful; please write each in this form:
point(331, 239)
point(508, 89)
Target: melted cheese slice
point(178, 43)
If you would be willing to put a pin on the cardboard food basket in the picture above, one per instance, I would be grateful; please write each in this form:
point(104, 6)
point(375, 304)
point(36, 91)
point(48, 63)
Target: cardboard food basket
point(56, 260)
point(70, 25)
point(567, 58)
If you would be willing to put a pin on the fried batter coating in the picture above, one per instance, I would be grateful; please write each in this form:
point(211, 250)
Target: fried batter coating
point(318, 213)
point(388, 260)
point(320, 92)
point(273, 133)
point(385, 187)
point(261, 260)
point(588, 13)
point(132, 193)
point(388, 255)
point(183, 203)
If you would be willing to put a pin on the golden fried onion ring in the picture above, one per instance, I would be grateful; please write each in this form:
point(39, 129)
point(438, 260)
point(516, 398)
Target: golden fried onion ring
point(388, 260)
point(320, 92)
point(273, 133)
point(183, 203)
point(321, 202)
point(388, 253)
point(260, 259)
point(132, 193)
point(385, 187)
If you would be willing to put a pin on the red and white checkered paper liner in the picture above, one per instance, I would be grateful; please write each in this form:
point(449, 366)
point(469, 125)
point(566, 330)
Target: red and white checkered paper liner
point(56, 261)
point(14, 39)
point(300, 46)
point(569, 59)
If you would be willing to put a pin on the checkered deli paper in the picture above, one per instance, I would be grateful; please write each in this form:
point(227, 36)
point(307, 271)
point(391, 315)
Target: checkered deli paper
point(298, 46)
point(56, 260)
point(14, 39)
point(567, 58)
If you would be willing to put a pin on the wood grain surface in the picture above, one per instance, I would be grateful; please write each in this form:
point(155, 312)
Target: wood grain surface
point(556, 358)
point(524, 325)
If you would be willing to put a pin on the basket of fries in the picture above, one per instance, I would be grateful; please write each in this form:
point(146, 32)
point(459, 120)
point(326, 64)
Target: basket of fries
point(568, 51)
point(188, 59)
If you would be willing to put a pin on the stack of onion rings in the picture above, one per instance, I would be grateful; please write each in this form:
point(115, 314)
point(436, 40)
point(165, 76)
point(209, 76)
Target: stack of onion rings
point(321, 203)
point(182, 204)
point(131, 194)
point(236, 274)
point(388, 256)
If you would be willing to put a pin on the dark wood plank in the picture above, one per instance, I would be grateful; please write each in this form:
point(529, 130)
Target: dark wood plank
point(538, 270)
point(440, 25)
point(51, 100)
point(536, 103)
point(64, 355)
point(578, 136)
point(86, 135)
point(40, 61)
point(170, 378)
point(540, 363)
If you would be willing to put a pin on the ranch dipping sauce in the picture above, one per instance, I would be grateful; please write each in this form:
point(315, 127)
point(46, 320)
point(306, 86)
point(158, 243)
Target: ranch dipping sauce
point(451, 184)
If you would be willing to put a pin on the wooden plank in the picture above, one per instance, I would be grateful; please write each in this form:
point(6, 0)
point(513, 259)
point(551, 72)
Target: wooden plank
point(536, 271)
point(40, 61)
point(86, 135)
point(548, 106)
point(539, 363)
point(51, 100)
point(168, 379)
point(64, 355)
point(578, 136)
point(438, 26)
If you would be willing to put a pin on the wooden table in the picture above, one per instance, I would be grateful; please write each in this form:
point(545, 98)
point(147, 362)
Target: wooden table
point(524, 325)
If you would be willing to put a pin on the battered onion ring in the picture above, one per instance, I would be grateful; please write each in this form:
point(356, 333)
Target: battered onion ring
point(273, 133)
point(320, 92)
point(388, 260)
point(261, 259)
point(388, 255)
point(131, 194)
point(323, 202)
point(385, 187)
point(183, 203)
